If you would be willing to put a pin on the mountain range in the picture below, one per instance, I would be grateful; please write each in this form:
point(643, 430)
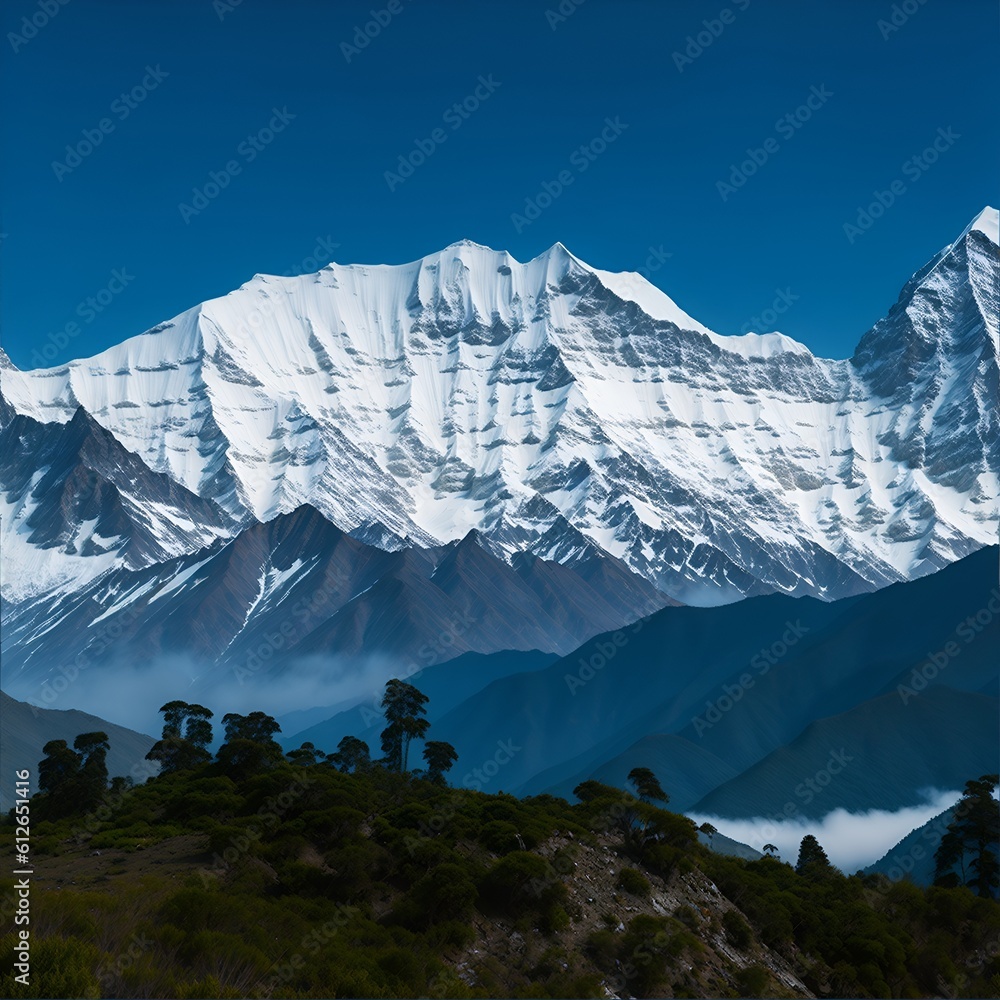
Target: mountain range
point(493, 467)
point(553, 408)
point(737, 708)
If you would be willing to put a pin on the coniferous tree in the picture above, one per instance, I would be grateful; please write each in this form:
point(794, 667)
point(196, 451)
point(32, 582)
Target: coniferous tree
point(973, 834)
point(812, 862)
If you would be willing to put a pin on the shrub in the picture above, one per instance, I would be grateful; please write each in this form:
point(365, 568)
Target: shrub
point(60, 967)
point(602, 947)
point(444, 893)
point(752, 981)
point(633, 881)
point(514, 882)
point(499, 837)
point(737, 930)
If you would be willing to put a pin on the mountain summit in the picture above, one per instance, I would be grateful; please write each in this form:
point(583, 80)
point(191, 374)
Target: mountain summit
point(553, 408)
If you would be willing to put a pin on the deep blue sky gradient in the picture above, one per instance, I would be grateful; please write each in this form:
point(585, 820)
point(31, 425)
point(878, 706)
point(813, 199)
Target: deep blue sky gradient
point(324, 175)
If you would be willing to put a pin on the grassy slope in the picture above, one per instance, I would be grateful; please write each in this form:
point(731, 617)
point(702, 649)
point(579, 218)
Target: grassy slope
point(307, 882)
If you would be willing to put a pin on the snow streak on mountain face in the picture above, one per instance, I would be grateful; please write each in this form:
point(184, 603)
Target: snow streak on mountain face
point(551, 407)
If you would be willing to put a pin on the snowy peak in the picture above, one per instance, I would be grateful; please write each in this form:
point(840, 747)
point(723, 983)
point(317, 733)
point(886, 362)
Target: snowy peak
point(987, 223)
point(563, 411)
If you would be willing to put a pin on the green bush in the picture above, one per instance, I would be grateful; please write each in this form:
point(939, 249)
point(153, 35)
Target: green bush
point(372, 881)
point(737, 930)
point(753, 981)
point(515, 883)
point(60, 967)
point(444, 893)
point(499, 837)
point(633, 881)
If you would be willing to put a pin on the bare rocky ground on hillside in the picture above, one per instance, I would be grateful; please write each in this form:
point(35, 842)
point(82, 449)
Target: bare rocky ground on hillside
point(598, 903)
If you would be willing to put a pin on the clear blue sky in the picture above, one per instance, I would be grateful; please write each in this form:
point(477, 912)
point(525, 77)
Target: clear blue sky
point(323, 176)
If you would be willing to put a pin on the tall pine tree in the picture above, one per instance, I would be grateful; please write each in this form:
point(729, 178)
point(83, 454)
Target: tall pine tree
point(967, 854)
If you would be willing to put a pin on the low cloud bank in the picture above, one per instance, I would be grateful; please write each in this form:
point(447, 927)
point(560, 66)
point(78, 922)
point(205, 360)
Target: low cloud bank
point(851, 840)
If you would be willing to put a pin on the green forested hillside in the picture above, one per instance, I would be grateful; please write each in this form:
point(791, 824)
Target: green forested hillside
point(286, 878)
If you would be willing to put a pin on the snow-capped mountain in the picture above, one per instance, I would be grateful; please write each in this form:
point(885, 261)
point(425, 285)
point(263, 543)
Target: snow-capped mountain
point(553, 408)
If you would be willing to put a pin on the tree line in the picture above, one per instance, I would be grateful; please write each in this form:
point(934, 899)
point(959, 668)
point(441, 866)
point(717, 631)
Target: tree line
point(75, 779)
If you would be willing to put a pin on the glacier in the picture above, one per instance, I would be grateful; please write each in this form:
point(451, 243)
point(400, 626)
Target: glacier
point(548, 407)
